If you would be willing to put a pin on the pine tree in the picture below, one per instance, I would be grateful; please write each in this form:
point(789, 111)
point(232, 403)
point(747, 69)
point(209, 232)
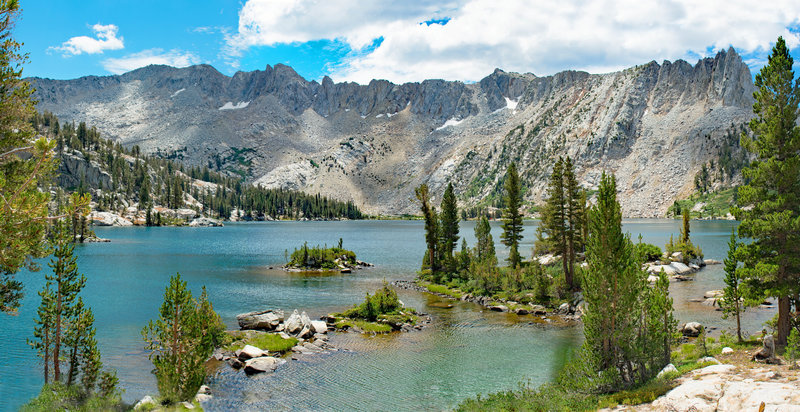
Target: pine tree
point(732, 301)
point(563, 218)
point(772, 259)
point(512, 217)
point(26, 161)
point(448, 225)
point(180, 341)
point(613, 288)
point(67, 283)
point(554, 214)
point(484, 249)
point(685, 229)
point(431, 228)
point(661, 326)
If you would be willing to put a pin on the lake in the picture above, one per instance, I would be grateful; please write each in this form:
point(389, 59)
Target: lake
point(466, 351)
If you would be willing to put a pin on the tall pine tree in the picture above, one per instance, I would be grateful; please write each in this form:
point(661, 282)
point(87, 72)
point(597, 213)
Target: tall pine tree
point(733, 299)
point(431, 228)
point(448, 226)
point(613, 288)
point(772, 259)
point(512, 216)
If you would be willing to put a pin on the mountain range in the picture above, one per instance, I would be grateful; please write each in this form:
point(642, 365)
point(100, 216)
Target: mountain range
point(654, 125)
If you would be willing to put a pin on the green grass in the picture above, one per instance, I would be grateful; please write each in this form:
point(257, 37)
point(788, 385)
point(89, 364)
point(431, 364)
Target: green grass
point(266, 341)
point(57, 397)
point(717, 204)
point(366, 327)
point(434, 288)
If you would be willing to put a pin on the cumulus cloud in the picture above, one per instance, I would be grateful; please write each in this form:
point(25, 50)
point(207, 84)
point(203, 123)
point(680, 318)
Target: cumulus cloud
point(543, 37)
point(105, 39)
point(174, 58)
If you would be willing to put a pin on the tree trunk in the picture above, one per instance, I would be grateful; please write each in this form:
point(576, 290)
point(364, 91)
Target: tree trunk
point(784, 306)
point(738, 322)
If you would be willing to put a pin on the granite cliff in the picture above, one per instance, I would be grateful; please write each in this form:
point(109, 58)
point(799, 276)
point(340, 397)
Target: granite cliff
point(654, 125)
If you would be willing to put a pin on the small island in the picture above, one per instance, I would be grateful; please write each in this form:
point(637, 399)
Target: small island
point(323, 259)
point(382, 312)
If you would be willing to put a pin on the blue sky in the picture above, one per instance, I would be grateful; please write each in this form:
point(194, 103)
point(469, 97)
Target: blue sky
point(360, 40)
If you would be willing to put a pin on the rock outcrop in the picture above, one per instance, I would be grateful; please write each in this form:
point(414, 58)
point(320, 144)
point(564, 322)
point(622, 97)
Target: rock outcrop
point(654, 125)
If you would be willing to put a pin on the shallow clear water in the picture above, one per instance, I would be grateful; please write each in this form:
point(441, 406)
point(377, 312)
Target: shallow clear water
point(465, 352)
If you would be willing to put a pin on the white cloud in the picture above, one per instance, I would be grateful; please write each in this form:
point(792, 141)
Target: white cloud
point(543, 37)
point(106, 39)
point(174, 58)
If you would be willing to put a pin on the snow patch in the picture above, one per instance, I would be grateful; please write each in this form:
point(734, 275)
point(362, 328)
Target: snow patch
point(450, 122)
point(177, 93)
point(511, 104)
point(231, 106)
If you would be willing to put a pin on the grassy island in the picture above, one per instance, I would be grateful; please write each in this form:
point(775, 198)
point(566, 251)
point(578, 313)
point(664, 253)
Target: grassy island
point(380, 313)
point(323, 258)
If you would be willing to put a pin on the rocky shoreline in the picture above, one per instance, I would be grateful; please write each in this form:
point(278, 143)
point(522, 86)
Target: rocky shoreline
point(564, 313)
point(341, 267)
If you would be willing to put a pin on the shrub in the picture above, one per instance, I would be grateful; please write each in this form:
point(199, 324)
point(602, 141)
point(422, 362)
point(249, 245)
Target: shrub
point(647, 252)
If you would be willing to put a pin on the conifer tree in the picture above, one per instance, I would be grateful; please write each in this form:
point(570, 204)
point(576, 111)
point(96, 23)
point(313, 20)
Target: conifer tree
point(563, 217)
point(772, 259)
point(661, 325)
point(180, 341)
point(26, 162)
point(431, 228)
point(613, 290)
point(732, 301)
point(512, 216)
point(554, 213)
point(484, 248)
point(448, 225)
point(67, 283)
point(574, 218)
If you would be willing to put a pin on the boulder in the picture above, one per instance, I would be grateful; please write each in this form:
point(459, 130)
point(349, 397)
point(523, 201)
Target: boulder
point(293, 324)
point(202, 397)
point(205, 222)
point(262, 364)
point(305, 320)
point(521, 311)
point(249, 352)
point(499, 308)
point(264, 320)
point(708, 359)
point(235, 363)
point(726, 350)
point(538, 310)
point(652, 279)
point(681, 267)
point(692, 329)
point(767, 351)
point(714, 294)
point(669, 270)
point(204, 389)
point(677, 256)
point(147, 400)
point(186, 404)
point(667, 369)
point(108, 219)
point(319, 326)
point(306, 332)
point(563, 309)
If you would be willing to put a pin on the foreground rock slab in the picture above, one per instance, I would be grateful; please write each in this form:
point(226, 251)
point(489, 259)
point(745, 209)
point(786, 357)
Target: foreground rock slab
point(262, 364)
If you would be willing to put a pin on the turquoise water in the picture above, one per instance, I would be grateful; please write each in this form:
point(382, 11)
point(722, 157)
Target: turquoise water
point(465, 352)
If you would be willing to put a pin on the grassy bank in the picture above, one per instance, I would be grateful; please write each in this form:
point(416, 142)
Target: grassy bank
point(558, 397)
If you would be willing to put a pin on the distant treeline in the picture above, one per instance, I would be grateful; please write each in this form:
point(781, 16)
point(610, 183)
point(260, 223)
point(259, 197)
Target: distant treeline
point(154, 181)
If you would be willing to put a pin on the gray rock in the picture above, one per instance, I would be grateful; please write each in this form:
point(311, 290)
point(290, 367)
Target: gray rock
point(205, 222)
point(249, 352)
point(319, 326)
point(538, 310)
point(499, 308)
point(262, 364)
point(264, 320)
point(691, 329)
point(708, 359)
point(521, 311)
point(294, 323)
point(563, 309)
point(147, 400)
point(667, 369)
